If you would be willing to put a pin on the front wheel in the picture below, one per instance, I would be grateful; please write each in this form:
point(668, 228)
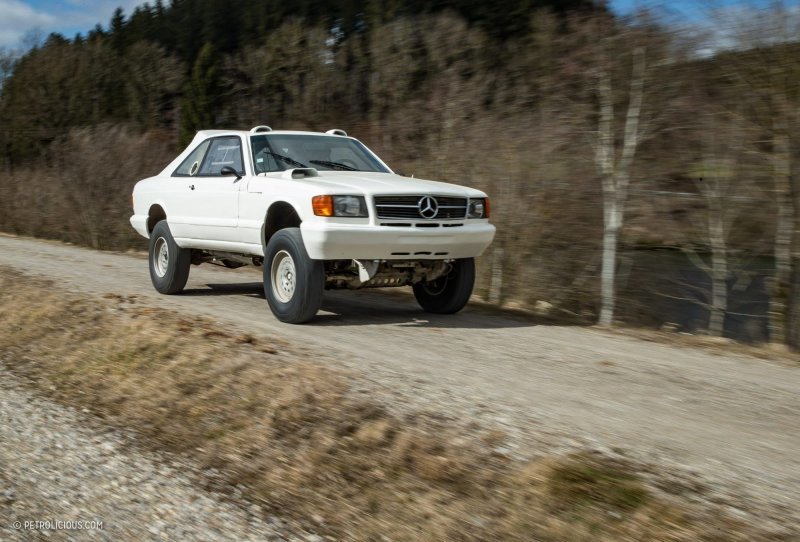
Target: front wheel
point(293, 282)
point(449, 293)
point(169, 263)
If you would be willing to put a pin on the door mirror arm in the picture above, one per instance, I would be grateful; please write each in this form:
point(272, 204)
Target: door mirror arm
point(228, 170)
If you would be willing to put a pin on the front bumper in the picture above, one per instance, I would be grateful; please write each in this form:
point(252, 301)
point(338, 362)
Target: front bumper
point(336, 241)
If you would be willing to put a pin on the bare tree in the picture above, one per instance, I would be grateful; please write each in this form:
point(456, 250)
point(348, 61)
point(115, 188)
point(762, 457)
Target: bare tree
point(615, 170)
point(766, 70)
point(715, 189)
point(715, 144)
point(784, 225)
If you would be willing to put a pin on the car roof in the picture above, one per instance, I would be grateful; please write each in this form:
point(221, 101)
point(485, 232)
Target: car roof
point(244, 133)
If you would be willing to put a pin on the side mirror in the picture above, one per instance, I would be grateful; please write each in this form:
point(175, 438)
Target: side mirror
point(228, 170)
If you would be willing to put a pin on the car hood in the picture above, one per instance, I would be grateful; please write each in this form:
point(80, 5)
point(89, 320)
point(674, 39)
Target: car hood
point(356, 182)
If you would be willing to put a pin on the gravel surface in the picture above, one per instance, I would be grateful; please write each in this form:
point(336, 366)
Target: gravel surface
point(727, 422)
point(57, 465)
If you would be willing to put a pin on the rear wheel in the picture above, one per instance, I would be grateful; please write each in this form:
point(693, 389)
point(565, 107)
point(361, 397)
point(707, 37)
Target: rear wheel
point(293, 282)
point(449, 293)
point(169, 263)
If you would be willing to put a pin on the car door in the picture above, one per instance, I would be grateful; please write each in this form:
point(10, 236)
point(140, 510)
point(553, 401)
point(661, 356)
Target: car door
point(210, 209)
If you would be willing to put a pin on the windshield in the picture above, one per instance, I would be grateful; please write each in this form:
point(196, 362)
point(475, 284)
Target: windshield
point(278, 152)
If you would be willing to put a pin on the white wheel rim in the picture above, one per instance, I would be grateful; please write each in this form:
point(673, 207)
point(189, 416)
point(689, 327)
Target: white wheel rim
point(283, 276)
point(161, 257)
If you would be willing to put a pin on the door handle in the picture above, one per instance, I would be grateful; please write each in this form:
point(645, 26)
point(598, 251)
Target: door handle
point(191, 186)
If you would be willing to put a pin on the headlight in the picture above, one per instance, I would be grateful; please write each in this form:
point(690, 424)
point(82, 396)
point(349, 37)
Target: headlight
point(478, 208)
point(346, 206)
point(349, 206)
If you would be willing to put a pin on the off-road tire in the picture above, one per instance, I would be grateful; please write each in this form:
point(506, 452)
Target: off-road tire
point(450, 293)
point(169, 263)
point(293, 282)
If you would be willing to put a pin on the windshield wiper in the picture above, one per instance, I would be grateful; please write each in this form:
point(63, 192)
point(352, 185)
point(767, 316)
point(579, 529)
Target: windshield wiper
point(290, 161)
point(333, 164)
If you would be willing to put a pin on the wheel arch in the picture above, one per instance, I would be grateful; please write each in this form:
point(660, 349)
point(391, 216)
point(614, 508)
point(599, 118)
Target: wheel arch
point(280, 215)
point(155, 214)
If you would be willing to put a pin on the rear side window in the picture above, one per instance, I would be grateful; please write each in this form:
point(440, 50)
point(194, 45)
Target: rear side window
point(191, 165)
point(223, 151)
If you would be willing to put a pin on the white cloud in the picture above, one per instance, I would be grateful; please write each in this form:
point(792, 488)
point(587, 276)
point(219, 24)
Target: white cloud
point(83, 15)
point(67, 17)
point(17, 18)
point(748, 26)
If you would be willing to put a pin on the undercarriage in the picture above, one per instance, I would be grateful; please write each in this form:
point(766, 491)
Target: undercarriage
point(356, 274)
point(348, 274)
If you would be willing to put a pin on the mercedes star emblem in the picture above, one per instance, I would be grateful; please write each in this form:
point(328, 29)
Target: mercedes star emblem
point(428, 207)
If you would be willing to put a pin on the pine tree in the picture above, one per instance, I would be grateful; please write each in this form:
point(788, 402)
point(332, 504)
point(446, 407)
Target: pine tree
point(201, 98)
point(116, 29)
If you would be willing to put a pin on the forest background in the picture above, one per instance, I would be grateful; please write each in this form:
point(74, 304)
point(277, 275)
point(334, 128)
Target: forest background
point(642, 171)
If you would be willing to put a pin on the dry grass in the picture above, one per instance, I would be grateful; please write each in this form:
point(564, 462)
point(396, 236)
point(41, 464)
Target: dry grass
point(714, 345)
point(291, 433)
point(86, 198)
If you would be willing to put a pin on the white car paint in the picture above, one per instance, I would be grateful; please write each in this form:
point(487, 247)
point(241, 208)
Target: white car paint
point(225, 213)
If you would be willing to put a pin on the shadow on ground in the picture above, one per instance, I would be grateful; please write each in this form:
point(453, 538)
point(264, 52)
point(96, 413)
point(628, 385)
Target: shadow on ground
point(384, 307)
point(249, 289)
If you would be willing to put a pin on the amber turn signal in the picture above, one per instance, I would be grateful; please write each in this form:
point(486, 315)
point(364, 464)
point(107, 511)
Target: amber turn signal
point(322, 205)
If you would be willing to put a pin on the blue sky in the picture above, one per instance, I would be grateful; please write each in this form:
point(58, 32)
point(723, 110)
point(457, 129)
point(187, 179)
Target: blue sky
point(21, 17)
point(690, 10)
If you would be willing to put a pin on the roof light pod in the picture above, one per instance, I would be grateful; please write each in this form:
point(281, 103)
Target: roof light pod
point(260, 128)
point(337, 131)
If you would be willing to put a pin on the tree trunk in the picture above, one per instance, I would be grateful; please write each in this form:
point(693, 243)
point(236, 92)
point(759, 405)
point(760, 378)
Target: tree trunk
point(792, 320)
point(609, 265)
point(615, 173)
point(496, 277)
point(719, 269)
point(784, 222)
point(793, 307)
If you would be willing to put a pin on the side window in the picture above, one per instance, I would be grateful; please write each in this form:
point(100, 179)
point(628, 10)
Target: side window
point(190, 166)
point(224, 151)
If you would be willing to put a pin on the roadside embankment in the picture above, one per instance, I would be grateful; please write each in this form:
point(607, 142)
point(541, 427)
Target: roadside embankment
point(295, 437)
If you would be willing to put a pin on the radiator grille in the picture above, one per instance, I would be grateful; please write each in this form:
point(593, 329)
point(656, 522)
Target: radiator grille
point(408, 207)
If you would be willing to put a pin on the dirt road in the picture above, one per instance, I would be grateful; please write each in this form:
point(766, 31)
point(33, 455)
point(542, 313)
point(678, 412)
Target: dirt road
point(732, 420)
